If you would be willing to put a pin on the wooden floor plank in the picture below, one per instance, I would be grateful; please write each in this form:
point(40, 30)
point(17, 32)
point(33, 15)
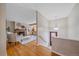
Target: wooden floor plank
point(29, 49)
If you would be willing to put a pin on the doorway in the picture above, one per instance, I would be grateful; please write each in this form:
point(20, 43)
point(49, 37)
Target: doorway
point(52, 35)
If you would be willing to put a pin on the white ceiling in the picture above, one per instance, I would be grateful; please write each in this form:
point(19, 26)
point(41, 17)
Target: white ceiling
point(55, 10)
point(18, 13)
point(25, 12)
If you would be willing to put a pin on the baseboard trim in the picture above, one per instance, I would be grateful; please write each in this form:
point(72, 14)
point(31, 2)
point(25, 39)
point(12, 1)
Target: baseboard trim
point(45, 46)
point(58, 53)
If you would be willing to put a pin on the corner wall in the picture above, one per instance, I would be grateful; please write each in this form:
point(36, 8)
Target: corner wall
point(74, 23)
point(2, 30)
point(43, 33)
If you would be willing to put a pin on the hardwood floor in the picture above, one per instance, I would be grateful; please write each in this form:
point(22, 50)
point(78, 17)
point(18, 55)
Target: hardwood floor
point(29, 49)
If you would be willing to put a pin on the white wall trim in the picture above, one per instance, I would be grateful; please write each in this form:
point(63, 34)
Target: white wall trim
point(45, 45)
point(57, 53)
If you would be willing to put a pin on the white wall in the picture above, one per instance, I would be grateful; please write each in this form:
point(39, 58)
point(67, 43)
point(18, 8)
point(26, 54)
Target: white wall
point(69, 26)
point(45, 26)
point(2, 30)
point(61, 24)
point(74, 23)
point(43, 30)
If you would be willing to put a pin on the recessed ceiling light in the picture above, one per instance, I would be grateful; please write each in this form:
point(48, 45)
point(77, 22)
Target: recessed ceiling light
point(56, 28)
